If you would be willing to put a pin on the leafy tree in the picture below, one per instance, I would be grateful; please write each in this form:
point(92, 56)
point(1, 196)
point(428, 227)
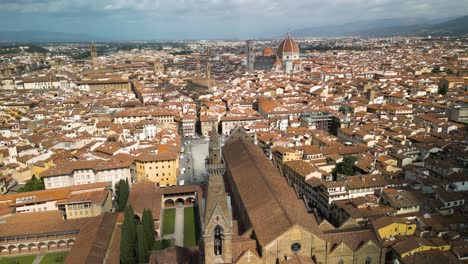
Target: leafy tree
point(449, 71)
point(142, 246)
point(111, 139)
point(436, 69)
point(443, 87)
point(343, 110)
point(34, 184)
point(148, 227)
point(122, 193)
point(345, 167)
point(128, 237)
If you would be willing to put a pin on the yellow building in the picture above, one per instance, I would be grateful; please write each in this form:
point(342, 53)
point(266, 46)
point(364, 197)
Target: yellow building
point(413, 244)
point(158, 166)
point(40, 167)
point(87, 204)
point(282, 154)
point(388, 226)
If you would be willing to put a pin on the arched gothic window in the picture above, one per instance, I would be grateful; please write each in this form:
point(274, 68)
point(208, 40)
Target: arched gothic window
point(368, 260)
point(218, 241)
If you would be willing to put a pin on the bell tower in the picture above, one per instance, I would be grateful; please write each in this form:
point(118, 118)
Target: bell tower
point(93, 51)
point(214, 148)
point(217, 214)
point(250, 55)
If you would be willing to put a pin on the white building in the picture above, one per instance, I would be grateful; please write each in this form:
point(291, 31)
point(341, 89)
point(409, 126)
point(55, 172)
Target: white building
point(73, 173)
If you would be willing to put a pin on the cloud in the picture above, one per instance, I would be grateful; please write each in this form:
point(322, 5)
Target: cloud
point(212, 17)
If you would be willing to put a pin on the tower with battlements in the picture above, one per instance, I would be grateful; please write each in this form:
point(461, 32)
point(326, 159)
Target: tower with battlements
point(217, 212)
point(93, 51)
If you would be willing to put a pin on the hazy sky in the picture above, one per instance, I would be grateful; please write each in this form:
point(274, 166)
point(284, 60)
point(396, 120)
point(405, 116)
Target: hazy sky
point(185, 19)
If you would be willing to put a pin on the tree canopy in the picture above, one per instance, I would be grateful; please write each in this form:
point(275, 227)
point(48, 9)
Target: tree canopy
point(34, 184)
point(345, 167)
point(443, 87)
point(142, 248)
point(122, 191)
point(148, 227)
point(129, 236)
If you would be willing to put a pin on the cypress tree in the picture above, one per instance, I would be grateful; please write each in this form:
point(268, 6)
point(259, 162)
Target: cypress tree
point(123, 193)
point(128, 238)
point(142, 246)
point(148, 227)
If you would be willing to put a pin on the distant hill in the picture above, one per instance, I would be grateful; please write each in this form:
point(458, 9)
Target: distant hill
point(455, 27)
point(390, 27)
point(31, 48)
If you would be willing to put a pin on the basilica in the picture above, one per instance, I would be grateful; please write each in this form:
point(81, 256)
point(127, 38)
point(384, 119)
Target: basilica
point(284, 59)
point(251, 215)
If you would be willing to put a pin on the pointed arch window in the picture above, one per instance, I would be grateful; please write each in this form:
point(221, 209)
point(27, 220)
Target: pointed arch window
point(218, 240)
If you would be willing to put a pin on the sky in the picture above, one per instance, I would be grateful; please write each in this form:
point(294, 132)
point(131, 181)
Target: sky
point(207, 19)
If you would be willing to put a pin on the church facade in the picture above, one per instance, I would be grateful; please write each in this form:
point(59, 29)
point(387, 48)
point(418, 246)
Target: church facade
point(251, 215)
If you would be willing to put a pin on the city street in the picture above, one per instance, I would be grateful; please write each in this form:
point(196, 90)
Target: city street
point(192, 163)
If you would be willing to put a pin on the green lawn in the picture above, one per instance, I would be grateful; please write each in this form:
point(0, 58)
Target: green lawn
point(169, 221)
point(54, 258)
point(18, 260)
point(191, 226)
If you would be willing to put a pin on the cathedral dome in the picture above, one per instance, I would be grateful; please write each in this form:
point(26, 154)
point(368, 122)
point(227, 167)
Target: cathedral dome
point(268, 52)
point(288, 45)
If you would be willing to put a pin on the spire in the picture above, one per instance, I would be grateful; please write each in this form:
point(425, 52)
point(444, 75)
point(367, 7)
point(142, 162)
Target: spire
point(214, 139)
point(215, 160)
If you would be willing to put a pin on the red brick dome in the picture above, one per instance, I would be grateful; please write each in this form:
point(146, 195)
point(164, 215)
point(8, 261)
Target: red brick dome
point(288, 45)
point(268, 52)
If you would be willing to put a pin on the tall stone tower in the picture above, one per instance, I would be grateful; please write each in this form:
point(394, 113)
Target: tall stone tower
point(214, 149)
point(93, 51)
point(208, 71)
point(198, 74)
point(250, 55)
point(217, 217)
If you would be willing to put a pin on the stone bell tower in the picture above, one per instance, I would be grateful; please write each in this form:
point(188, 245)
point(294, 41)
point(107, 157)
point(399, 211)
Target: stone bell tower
point(250, 55)
point(217, 214)
point(93, 51)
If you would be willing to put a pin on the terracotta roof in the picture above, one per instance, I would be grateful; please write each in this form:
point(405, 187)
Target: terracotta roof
point(270, 203)
point(354, 239)
point(66, 167)
point(40, 223)
point(268, 52)
point(92, 243)
point(288, 45)
point(94, 197)
point(145, 195)
point(50, 194)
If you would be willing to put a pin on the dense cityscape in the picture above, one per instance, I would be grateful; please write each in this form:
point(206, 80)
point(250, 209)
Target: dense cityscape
point(284, 150)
